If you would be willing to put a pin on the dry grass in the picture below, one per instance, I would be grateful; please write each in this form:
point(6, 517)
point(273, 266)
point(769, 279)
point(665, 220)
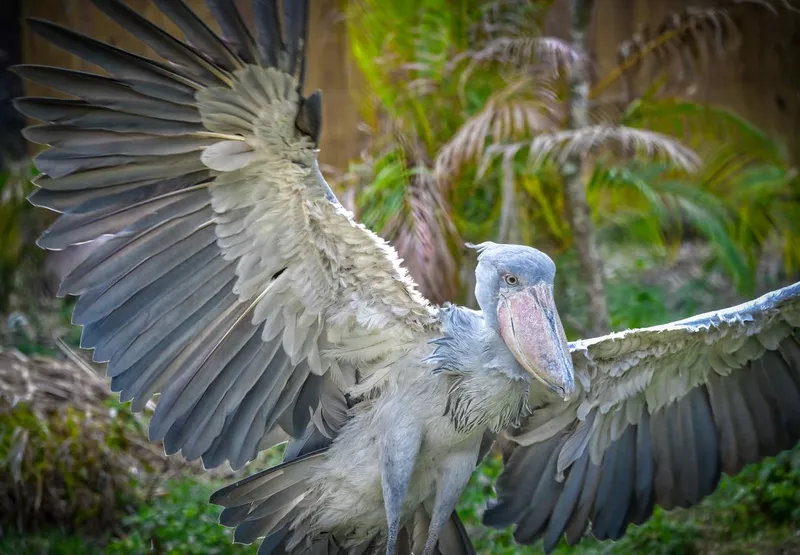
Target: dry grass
point(68, 457)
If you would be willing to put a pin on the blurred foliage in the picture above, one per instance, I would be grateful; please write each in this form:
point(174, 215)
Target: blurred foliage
point(78, 474)
point(481, 93)
point(19, 226)
point(69, 456)
point(179, 520)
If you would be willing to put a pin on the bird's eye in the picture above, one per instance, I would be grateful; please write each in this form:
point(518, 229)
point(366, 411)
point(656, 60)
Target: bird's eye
point(511, 280)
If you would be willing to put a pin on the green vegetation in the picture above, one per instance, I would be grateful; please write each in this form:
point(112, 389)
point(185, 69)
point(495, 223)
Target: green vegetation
point(178, 520)
point(468, 105)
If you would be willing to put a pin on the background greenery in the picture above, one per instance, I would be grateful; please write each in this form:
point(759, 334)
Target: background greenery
point(466, 102)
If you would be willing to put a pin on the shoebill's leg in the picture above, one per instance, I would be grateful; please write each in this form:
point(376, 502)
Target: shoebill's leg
point(453, 477)
point(398, 456)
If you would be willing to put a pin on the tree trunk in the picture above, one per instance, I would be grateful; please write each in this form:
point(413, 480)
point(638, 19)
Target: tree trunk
point(580, 217)
point(509, 227)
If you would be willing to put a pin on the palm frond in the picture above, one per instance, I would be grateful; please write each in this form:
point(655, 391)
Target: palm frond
point(527, 107)
point(399, 199)
point(703, 124)
point(618, 140)
point(521, 54)
point(667, 207)
point(682, 45)
point(509, 18)
point(425, 237)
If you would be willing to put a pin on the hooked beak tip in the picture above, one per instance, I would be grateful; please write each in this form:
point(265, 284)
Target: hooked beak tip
point(567, 393)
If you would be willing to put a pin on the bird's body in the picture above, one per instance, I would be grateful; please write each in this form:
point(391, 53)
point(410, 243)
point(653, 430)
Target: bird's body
point(442, 399)
point(225, 276)
point(346, 486)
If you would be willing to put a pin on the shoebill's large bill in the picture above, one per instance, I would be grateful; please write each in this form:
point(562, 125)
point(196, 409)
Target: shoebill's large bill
point(227, 279)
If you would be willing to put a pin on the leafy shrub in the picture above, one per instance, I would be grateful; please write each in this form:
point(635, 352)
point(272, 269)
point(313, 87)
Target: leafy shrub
point(48, 543)
point(68, 458)
point(179, 520)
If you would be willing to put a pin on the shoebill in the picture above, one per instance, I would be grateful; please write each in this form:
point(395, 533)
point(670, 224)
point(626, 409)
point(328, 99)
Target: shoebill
point(229, 281)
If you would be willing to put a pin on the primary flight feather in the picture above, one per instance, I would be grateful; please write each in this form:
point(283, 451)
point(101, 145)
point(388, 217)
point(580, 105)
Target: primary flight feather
point(227, 279)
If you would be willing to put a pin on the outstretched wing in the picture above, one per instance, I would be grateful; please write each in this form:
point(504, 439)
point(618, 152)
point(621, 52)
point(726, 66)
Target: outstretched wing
point(661, 413)
point(226, 276)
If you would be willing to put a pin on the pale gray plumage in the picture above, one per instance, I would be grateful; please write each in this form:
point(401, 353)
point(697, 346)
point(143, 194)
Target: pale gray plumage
point(228, 279)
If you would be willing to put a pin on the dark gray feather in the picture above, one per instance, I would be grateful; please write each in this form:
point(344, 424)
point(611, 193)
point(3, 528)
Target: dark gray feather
point(198, 34)
point(110, 261)
point(566, 502)
point(216, 375)
point(307, 403)
point(684, 454)
point(580, 517)
point(266, 390)
point(268, 31)
point(614, 497)
point(720, 406)
point(96, 142)
point(760, 410)
point(269, 368)
point(146, 375)
point(544, 498)
point(309, 116)
point(783, 391)
point(136, 193)
point(706, 443)
point(295, 13)
point(200, 364)
point(746, 437)
point(160, 324)
point(164, 167)
point(114, 60)
point(106, 92)
point(86, 200)
point(234, 31)
point(120, 328)
point(266, 483)
point(287, 399)
point(311, 440)
point(518, 482)
point(59, 163)
point(164, 44)
point(99, 302)
point(273, 542)
point(643, 498)
point(662, 458)
point(274, 503)
point(78, 113)
point(224, 396)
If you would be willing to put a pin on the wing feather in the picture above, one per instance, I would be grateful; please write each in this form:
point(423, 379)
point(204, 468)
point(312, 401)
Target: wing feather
point(105, 92)
point(661, 413)
point(223, 273)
